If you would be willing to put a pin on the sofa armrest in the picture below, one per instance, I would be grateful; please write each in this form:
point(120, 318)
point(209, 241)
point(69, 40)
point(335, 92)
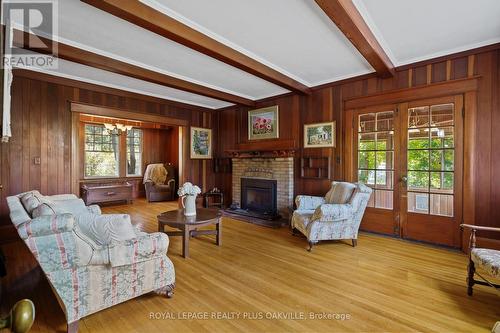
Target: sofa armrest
point(307, 202)
point(94, 209)
point(47, 225)
point(138, 249)
point(333, 212)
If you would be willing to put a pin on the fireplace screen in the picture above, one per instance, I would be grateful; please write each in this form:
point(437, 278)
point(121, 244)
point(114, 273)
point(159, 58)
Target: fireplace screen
point(259, 196)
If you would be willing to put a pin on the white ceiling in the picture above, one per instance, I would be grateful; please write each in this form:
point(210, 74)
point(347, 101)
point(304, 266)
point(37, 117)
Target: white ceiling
point(411, 31)
point(294, 37)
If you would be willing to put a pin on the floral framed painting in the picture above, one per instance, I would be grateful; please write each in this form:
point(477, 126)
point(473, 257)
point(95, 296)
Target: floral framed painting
point(201, 143)
point(319, 135)
point(263, 123)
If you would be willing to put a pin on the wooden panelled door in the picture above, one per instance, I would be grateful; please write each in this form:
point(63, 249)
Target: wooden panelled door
point(411, 154)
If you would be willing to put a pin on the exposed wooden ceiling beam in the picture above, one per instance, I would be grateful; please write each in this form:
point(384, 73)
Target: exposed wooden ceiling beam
point(157, 22)
point(347, 18)
point(88, 58)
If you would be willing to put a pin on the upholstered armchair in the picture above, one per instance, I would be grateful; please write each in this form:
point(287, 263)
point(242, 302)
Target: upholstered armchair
point(486, 259)
point(335, 216)
point(159, 182)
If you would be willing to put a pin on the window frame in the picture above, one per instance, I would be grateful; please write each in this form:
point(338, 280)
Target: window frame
point(122, 154)
point(141, 152)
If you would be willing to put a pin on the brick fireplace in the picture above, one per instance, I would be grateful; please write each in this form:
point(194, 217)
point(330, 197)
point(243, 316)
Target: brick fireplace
point(279, 169)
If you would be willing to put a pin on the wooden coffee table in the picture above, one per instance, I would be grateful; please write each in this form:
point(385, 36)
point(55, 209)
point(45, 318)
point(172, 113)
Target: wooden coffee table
point(188, 225)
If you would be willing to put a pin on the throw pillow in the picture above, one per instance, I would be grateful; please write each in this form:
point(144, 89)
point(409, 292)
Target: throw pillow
point(43, 210)
point(340, 193)
point(106, 229)
point(30, 202)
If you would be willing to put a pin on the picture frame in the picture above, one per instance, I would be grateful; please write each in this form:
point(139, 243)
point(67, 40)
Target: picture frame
point(263, 123)
point(320, 135)
point(201, 143)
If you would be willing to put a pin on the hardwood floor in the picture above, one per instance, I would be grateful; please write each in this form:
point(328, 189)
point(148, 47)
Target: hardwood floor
point(383, 285)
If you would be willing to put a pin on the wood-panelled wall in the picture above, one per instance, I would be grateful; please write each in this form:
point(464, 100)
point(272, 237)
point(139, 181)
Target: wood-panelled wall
point(41, 127)
point(327, 104)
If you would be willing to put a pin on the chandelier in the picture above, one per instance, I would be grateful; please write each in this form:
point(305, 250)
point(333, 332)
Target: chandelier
point(117, 129)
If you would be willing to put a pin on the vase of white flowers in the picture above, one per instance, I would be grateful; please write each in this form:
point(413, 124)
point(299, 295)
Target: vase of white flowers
point(188, 193)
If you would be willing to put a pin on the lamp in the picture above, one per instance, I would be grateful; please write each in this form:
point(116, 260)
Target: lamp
point(117, 129)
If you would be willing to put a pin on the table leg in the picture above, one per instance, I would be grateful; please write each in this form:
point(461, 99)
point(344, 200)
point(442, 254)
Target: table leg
point(218, 227)
point(160, 227)
point(185, 242)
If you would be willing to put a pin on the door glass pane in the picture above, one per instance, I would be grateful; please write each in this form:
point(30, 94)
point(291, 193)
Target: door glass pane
point(442, 115)
point(418, 138)
point(441, 204)
point(418, 117)
point(366, 160)
point(418, 181)
point(418, 160)
point(385, 140)
point(383, 199)
point(366, 141)
point(376, 156)
point(442, 182)
point(431, 159)
point(442, 137)
point(367, 122)
point(385, 160)
point(442, 160)
point(367, 177)
point(385, 121)
point(418, 202)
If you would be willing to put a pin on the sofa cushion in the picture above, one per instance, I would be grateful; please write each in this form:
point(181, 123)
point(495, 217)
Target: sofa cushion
point(106, 229)
point(340, 193)
point(30, 201)
point(43, 209)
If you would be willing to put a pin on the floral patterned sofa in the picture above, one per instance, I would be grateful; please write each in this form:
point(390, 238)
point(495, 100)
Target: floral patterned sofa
point(88, 276)
point(335, 216)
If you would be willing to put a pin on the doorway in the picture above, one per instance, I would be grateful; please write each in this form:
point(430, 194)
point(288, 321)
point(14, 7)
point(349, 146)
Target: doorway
point(411, 154)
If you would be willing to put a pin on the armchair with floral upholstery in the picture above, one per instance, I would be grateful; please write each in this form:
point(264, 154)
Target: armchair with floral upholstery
point(335, 216)
point(486, 259)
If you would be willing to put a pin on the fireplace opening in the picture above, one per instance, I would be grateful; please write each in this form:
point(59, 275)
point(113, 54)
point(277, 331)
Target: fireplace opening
point(259, 197)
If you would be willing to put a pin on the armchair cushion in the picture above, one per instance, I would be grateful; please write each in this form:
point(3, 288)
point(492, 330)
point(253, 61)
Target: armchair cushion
point(332, 212)
point(106, 229)
point(340, 193)
point(487, 259)
point(307, 202)
point(139, 249)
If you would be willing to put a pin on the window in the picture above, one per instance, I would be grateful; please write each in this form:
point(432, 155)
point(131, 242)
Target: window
point(101, 152)
point(134, 152)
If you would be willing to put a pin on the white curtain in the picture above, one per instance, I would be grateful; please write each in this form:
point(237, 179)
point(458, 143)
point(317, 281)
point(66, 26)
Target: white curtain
point(7, 82)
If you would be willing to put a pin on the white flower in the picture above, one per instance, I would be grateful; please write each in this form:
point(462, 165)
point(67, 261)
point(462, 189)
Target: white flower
point(188, 189)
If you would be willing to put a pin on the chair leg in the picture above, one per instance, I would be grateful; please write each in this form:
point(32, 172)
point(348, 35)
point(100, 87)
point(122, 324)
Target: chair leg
point(354, 242)
point(470, 277)
point(311, 244)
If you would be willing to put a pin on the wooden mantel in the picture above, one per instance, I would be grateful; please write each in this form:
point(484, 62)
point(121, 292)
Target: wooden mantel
point(264, 148)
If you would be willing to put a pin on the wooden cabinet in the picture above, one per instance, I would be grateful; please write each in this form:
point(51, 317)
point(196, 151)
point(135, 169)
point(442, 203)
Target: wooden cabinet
point(96, 193)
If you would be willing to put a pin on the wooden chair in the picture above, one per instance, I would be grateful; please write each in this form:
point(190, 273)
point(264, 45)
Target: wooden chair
point(487, 259)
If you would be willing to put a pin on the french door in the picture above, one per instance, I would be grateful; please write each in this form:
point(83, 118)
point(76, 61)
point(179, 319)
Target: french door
point(411, 154)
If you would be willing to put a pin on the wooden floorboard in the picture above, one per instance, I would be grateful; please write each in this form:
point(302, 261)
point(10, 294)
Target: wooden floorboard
point(384, 285)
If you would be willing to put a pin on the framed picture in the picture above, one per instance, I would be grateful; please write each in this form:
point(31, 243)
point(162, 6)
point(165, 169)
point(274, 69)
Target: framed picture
point(319, 135)
point(263, 123)
point(201, 143)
